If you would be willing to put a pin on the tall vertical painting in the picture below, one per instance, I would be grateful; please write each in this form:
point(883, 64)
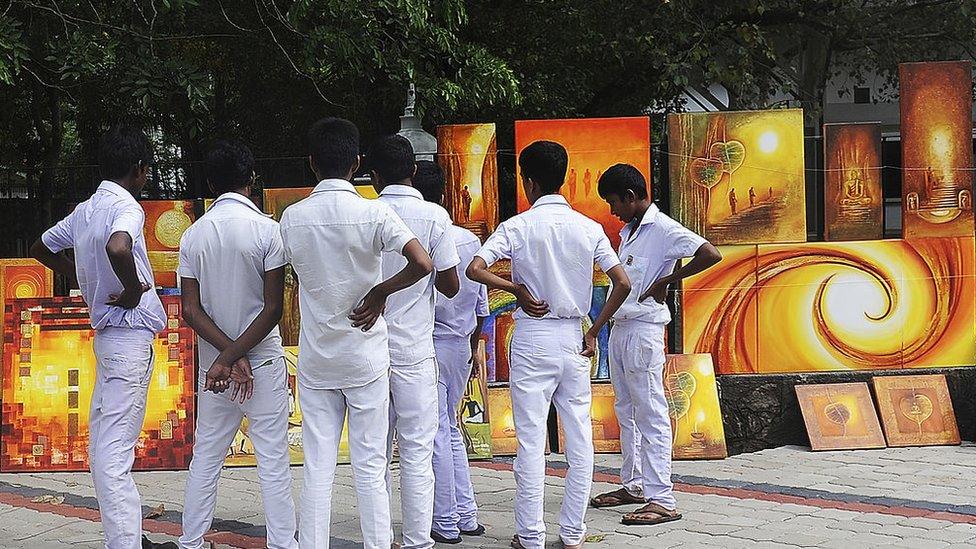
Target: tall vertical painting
point(593, 145)
point(468, 156)
point(48, 376)
point(853, 202)
point(936, 102)
point(693, 407)
point(737, 177)
point(166, 221)
point(23, 278)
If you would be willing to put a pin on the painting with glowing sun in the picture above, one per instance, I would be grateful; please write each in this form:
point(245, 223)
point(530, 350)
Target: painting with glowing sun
point(835, 306)
point(737, 177)
point(936, 102)
point(467, 154)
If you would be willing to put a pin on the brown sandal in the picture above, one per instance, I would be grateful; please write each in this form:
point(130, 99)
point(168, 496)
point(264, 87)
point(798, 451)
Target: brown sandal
point(615, 498)
point(650, 515)
point(516, 542)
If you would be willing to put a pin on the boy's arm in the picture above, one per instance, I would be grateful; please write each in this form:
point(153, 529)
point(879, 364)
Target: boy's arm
point(57, 262)
point(204, 326)
point(447, 282)
point(619, 291)
point(481, 313)
point(119, 250)
point(705, 256)
point(443, 254)
point(418, 266)
point(478, 271)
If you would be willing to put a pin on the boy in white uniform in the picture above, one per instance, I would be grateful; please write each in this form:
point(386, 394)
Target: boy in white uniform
point(232, 266)
point(651, 243)
point(410, 317)
point(457, 330)
point(112, 269)
point(552, 248)
point(334, 240)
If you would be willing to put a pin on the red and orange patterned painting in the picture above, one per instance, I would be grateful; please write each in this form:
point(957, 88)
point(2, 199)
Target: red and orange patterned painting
point(166, 221)
point(23, 278)
point(853, 203)
point(49, 374)
point(836, 306)
point(936, 102)
point(468, 156)
point(593, 145)
point(737, 177)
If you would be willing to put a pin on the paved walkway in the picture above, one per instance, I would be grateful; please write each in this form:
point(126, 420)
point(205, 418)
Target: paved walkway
point(918, 498)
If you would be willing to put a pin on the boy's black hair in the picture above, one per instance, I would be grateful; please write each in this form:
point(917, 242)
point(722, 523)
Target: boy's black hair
point(429, 180)
point(229, 166)
point(545, 163)
point(620, 178)
point(391, 157)
point(333, 144)
point(121, 150)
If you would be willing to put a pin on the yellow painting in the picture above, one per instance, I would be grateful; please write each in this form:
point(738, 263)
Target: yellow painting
point(737, 177)
point(502, 422)
point(853, 201)
point(840, 416)
point(693, 406)
point(916, 410)
point(467, 154)
point(603, 417)
point(166, 221)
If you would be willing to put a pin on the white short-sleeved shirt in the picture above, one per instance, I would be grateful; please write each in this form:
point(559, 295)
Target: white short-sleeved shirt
point(410, 312)
point(458, 316)
point(334, 240)
point(227, 251)
point(652, 252)
point(87, 229)
point(553, 248)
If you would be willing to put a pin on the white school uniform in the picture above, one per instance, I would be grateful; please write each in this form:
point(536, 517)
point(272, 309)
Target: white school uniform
point(228, 251)
point(637, 355)
point(334, 240)
point(553, 249)
point(123, 351)
point(455, 320)
point(413, 374)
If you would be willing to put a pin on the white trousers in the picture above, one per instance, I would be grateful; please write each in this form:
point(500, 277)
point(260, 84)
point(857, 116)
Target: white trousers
point(218, 419)
point(323, 411)
point(413, 414)
point(124, 365)
point(454, 505)
point(637, 371)
point(546, 367)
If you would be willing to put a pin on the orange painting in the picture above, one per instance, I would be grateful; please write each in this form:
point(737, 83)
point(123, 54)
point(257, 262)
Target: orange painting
point(696, 418)
point(166, 221)
point(840, 416)
point(853, 202)
point(916, 410)
point(936, 102)
point(603, 417)
point(49, 375)
point(737, 177)
point(593, 145)
point(23, 278)
point(467, 154)
point(502, 422)
point(837, 306)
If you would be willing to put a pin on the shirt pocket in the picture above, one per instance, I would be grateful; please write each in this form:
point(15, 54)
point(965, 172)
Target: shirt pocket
point(636, 267)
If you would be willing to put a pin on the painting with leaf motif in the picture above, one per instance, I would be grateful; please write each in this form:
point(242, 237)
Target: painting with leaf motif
point(916, 410)
point(737, 177)
point(839, 416)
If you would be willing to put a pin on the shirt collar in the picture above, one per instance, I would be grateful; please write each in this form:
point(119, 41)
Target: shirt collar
point(240, 198)
point(334, 184)
point(116, 189)
point(401, 190)
point(650, 216)
point(556, 199)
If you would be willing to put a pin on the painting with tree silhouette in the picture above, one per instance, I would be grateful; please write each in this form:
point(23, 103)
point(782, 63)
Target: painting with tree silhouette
point(737, 177)
point(696, 417)
point(916, 410)
point(936, 102)
point(840, 416)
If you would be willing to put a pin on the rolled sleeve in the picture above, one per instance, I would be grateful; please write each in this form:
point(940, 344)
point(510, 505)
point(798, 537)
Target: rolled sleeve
point(604, 255)
point(394, 233)
point(59, 237)
point(443, 251)
point(186, 268)
point(129, 220)
point(497, 247)
point(274, 257)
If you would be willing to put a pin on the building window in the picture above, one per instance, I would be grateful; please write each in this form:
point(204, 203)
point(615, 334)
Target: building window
point(862, 95)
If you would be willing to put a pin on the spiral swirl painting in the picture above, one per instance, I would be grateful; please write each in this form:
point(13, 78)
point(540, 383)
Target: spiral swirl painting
point(835, 306)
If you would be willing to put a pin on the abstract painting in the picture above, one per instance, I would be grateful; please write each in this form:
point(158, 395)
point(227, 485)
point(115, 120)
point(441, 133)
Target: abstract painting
point(603, 417)
point(916, 410)
point(737, 177)
point(836, 306)
point(853, 202)
point(49, 374)
point(693, 406)
point(840, 416)
point(166, 221)
point(23, 278)
point(468, 155)
point(593, 145)
point(936, 102)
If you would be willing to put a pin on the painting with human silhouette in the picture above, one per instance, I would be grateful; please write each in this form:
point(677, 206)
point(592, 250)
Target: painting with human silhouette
point(468, 156)
point(593, 145)
point(853, 203)
point(737, 177)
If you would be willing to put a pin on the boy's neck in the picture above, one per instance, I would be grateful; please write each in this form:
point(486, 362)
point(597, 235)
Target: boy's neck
point(642, 207)
point(128, 185)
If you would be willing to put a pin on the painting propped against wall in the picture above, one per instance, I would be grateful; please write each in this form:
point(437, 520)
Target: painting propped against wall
point(693, 406)
point(468, 156)
point(49, 375)
point(916, 410)
point(936, 102)
point(840, 416)
point(853, 201)
point(593, 145)
point(737, 177)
